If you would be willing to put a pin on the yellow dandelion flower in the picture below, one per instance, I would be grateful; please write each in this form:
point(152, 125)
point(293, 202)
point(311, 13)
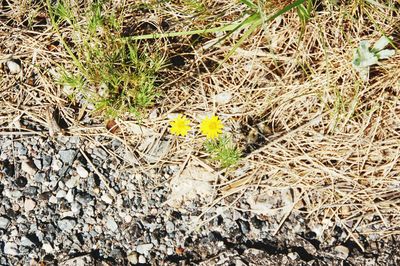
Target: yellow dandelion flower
point(180, 125)
point(211, 127)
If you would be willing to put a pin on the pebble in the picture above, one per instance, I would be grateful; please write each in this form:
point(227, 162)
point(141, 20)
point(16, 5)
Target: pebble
point(4, 222)
point(67, 156)
point(73, 181)
point(26, 242)
point(111, 224)
point(142, 259)
point(28, 168)
point(342, 252)
point(56, 165)
point(61, 194)
point(11, 248)
point(48, 248)
point(21, 181)
point(82, 172)
point(29, 205)
point(70, 196)
point(144, 248)
point(14, 67)
point(133, 258)
point(106, 198)
point(169, 227)
point(66, 224)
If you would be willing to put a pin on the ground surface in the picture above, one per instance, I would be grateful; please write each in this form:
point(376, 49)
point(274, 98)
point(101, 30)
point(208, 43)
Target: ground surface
point(317, 182)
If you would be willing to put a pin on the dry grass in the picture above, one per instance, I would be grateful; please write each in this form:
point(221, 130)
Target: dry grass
point(333, 141)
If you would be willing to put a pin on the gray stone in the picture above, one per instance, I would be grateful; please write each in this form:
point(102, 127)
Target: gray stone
point(67, 156)
point(4, 222)
point(46, 161)
point(11, 248)
point(83, 198)
point(66, 224)
point(100, 153)
point(26, 242)
point(111, 224)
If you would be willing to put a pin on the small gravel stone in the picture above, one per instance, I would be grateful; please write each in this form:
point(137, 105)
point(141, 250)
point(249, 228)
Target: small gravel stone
point(56, 165)
point(11, 248)
point(28, 168)
point(82, 172)
point(111, 224)
point(14, 67)
point(342, 252)
point(29, 205)
point(170, 227)
point(142, 259)
point(144, 248)
point(48, 248)
point(21, 181)
point(37, 163)
point(67, 156)
point(61, 194)
point(66, 224)
point(107, 198)
point(4, 222)
point(26, 242)
point(100, 153)
point(70, 196)
point(133, 258)
point(73, 181)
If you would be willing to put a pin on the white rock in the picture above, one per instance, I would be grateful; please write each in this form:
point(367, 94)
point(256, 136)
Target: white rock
point(142, 259)
point(107, 198)
point(61, 194)
point(11, 249)
point(28, 168)
point(26, 242)
point(194, 182)
point(223, 97)
point(29, 205)
point(53, 199)
point(14, 67)
point(144, 248)
point(70, 196)
point(128, 218)
point(82, 172)
point(56, 165)
point(73, 181)
point(48, 248)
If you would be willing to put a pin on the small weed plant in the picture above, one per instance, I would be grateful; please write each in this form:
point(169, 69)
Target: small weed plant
point(219, 146)
point(110, 72)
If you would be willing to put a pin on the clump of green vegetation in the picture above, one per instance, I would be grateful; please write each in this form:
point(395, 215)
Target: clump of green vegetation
point(223, 151)
point(115, 74)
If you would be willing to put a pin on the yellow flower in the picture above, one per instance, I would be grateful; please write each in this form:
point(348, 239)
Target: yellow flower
point(211, 127)
point(180, 125)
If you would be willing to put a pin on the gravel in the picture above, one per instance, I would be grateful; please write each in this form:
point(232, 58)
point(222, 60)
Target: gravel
point(57, 210)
